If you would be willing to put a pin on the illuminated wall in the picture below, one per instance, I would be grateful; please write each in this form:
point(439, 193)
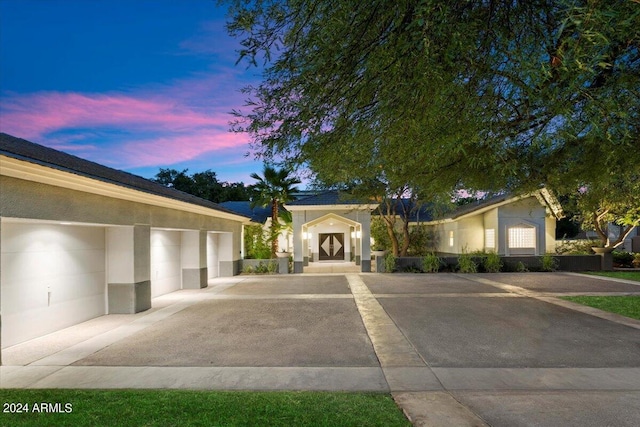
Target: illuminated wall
point(53, 276)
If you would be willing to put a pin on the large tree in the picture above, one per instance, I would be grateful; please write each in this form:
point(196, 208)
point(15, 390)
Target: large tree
point(488, 95)
point(274, 188)
point(203, 184)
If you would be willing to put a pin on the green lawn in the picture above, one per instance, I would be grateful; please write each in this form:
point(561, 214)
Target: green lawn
point(628, 275)
point(201, 408)
point(625, 305)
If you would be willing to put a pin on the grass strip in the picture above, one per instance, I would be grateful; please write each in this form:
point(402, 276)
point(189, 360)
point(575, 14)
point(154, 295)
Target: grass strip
point(197, 408)
point(627, 275)
point(628, 306)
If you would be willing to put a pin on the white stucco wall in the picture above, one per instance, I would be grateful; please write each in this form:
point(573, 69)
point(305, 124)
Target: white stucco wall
point(490, 220)
point(53, 276)
point(470, 234)
point(526, 211)
point(550, 234)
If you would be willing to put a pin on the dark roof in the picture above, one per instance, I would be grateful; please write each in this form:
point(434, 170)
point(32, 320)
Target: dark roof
point(480, 204)
point(21, 149)
point(257, 214)
point(326, 198)
point(420, 213)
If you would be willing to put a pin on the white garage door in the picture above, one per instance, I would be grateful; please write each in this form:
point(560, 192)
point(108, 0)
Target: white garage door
point(166, 271)
point(52, 276)
point(212, 255)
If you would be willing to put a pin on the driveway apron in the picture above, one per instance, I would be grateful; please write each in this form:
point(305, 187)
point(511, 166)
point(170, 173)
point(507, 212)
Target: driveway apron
point(498, 350)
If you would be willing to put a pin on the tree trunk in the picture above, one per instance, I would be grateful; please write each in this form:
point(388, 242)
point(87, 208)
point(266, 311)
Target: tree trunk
point(394, 239)
point(405, 233)
point(622, 236)
point(599, 228)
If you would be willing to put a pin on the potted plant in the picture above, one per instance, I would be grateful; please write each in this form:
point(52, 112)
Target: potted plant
point(378, 251)
point(283, 254)
point(599, 248)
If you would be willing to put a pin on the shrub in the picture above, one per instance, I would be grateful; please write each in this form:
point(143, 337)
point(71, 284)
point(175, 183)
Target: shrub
point(272, 267)
point(431, 263)
point(577, 247)
point(521, 268)
point(548, 263)
point(623, 259)
point(390, 263)
point(636, 260)
point(256, 244)
point(466, 264)
point(261, 268)
point(492, 262)
point(379, 234)
point(422, 240)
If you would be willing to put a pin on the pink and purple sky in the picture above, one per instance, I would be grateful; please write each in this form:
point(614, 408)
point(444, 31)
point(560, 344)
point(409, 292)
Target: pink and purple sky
point(131, 84)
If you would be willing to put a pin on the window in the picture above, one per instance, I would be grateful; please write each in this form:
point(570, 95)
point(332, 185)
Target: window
point(522, 236)
point(451, 238)
point(490, 238)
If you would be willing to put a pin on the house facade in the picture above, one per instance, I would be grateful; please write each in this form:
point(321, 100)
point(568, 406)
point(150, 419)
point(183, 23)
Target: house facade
point(79, 240)
point(327, 227)
point(506, 225)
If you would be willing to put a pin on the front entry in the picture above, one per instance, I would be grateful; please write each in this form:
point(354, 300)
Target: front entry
point(331, 246)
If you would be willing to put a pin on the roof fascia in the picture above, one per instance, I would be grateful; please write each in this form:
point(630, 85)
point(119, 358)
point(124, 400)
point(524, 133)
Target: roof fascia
point(362, 207)
point(45, 175)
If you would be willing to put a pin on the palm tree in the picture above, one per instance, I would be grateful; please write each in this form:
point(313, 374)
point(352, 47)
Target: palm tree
point(273, 188)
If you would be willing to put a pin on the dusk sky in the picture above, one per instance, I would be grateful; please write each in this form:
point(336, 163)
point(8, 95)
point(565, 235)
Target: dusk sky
point(131, 84)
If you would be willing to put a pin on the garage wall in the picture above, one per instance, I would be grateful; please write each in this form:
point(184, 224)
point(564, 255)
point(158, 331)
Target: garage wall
point(52, 276)
point(166, 270)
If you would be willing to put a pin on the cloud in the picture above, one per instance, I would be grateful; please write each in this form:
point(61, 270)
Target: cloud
point(158, 126)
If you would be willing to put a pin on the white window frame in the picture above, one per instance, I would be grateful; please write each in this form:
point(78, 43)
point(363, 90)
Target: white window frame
point(522, 236)
point(490, 238)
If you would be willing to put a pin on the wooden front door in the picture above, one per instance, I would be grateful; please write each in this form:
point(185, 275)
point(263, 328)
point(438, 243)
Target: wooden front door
point(331, 246)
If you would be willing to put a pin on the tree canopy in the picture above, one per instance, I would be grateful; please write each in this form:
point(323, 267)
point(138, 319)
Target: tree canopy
point(274, 188)
point(203, 184)
point(480, 94)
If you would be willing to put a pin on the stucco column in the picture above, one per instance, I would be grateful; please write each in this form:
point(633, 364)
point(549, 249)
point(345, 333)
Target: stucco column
point(298, 247)
point(227, 264)
point(129, 269)
point(365, 243)
point(358, 245)
point(193, 253)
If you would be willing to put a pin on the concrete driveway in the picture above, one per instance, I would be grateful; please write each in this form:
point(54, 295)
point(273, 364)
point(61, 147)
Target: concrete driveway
point(486, 349)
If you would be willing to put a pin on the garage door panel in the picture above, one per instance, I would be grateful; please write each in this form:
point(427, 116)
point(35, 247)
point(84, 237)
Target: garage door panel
point(166, 270)
point(68, 261)
point(45, 320)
